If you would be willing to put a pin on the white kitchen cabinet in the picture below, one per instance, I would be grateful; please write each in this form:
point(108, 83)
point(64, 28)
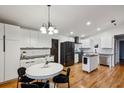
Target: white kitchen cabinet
point(12, 32)
point(1, 62)
point(12, 51)
point(9, 59)
point(1, 53)
point(76, 58)
point(34, 38)
point(1, 30)
point(12, 57)
point(106, 42)
point(25, 38)
point(44, 40)
point(86, 43)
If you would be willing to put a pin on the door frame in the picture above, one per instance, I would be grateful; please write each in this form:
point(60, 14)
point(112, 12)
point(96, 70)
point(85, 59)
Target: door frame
point(57, 48)
point(117, 39)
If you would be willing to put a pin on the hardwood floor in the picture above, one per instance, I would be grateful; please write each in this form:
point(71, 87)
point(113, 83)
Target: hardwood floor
point(103, 77)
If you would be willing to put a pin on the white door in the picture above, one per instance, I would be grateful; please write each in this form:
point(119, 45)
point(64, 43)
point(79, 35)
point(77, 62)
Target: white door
point(1, 30)
point(12, 32)
point(12, 56)
point(1, 62)
point(1, 53)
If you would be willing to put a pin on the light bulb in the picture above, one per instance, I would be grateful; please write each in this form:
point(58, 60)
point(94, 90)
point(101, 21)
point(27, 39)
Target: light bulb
point(82, 35)
point(71, 33)
point(51, 28)
point(50, 32)
point(88, 23)
point(43, 30)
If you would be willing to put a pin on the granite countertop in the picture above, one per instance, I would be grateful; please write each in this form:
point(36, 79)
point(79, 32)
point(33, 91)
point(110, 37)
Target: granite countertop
point(90, 54)
point(36, 56)
point(78, 52)
point(106, 54)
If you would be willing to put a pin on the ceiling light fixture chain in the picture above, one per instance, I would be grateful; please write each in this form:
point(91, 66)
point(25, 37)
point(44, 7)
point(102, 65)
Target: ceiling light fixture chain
point(49, 15)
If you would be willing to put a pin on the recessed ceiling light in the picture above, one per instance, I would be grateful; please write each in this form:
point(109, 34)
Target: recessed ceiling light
point(88, 23)
point(82, 35)
point(98, 29)
point(71, 33)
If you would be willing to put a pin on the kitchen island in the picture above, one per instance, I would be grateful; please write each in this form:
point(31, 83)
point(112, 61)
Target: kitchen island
point(90, 62)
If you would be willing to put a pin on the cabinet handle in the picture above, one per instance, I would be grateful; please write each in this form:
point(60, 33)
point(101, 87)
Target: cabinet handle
point(4, 43)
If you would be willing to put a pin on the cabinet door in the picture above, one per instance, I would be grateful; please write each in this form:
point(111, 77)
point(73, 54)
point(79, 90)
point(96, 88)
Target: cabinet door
point(1, 30)
point(106, 42)
point(1, 62)
point(44, 40)
point(12, 56)
point(25, 38)
point(86, 43)
point(12, 32)
point(34, 39)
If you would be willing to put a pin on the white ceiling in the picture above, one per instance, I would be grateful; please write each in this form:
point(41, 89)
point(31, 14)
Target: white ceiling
point(66, 18)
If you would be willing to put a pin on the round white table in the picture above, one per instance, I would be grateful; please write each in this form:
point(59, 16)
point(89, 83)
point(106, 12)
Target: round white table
point(39, 72)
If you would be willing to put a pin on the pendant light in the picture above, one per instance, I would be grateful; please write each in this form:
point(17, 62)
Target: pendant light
point(48, 28)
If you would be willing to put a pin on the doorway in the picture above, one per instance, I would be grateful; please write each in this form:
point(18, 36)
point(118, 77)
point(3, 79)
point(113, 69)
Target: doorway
point(119, 49)
point(54, 49)
point(121, 53)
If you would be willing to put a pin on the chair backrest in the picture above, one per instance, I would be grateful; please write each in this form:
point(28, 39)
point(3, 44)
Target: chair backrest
point(23, 85)
point(21, 71)
point(68, 72)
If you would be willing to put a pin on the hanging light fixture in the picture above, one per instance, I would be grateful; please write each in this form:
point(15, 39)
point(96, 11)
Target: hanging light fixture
point(48, 28)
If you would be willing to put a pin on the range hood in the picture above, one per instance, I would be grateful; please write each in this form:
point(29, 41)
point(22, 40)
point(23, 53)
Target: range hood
point(77, 40)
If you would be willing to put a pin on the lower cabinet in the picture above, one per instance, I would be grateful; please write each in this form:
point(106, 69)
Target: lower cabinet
point(12, 56)
point(9, 60)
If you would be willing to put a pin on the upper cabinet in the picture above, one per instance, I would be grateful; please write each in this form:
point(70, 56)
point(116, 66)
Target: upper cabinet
point(86, 43)
point(44, 40)
point(106, 42)
point(34, 38)
point(12, 32)
point(30, 38)
point(25, 38)
point(1, 30)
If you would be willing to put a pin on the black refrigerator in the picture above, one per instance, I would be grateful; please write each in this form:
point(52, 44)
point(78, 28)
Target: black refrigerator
point(67, 53)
